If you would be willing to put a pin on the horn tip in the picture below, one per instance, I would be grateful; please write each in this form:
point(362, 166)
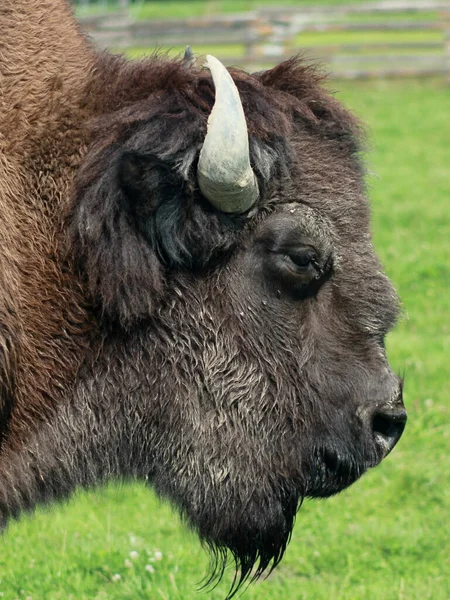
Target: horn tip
point(211, 61)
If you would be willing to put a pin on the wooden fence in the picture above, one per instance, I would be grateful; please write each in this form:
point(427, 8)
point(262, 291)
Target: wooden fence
point(382, 39)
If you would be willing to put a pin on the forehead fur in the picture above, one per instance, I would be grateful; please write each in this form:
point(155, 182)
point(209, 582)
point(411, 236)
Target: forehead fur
point(275, 102)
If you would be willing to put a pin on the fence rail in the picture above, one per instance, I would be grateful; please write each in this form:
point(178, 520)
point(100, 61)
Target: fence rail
point(261, 39)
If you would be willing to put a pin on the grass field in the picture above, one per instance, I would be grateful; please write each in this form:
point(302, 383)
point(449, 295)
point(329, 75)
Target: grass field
point(176, 9)
point(386, 538)
point(151, 9)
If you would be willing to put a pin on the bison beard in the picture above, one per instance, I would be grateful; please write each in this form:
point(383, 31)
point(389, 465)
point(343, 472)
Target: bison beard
point(233, 360)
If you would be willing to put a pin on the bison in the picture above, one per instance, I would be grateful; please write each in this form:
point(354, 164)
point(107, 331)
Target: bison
point(189, 293)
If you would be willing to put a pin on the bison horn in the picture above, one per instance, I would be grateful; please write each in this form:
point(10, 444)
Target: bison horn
point(189, 58)
point(225, 176)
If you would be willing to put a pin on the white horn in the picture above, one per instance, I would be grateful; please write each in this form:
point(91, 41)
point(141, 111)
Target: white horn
point(225, 176)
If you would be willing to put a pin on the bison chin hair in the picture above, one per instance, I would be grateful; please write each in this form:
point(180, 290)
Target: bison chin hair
point(250, 540)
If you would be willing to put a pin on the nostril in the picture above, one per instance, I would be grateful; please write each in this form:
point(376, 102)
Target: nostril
point(389, 425)
point(388, 428)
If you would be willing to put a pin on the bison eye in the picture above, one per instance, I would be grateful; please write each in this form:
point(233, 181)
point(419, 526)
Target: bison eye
point(298, 269)
point(302, 258)
point(294, 252)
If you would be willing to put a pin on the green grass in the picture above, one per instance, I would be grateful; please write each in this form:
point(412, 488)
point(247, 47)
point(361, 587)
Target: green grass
point(175, 9)
point(386, 538)
point(180, 8)
point(366, 37)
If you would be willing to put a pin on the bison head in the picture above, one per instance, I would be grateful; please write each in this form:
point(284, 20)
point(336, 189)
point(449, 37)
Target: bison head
point(238, 363)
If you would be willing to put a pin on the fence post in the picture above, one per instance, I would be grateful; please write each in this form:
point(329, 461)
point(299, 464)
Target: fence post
point(446, 19)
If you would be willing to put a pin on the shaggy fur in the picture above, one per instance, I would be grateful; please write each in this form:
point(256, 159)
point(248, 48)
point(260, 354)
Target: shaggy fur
point(236, 363)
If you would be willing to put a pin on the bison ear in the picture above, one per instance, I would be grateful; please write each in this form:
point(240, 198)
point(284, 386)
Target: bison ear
point(113, 196)
point(145, 181)
point(131, 169)
point(140, 172)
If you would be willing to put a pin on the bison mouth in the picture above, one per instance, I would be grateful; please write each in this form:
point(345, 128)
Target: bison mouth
point(333, 470)
point(336, 465)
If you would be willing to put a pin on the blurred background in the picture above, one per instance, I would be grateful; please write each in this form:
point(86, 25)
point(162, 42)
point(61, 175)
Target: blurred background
point(387, 537)
point(353, 40)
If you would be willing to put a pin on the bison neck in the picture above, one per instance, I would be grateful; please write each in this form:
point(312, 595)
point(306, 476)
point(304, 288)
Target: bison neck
point(45, 66)
point(44, 62)
point(51, 464)
point(92, 437)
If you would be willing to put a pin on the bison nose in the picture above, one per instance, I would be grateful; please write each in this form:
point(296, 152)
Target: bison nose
point(385, 419)
point(388, 423)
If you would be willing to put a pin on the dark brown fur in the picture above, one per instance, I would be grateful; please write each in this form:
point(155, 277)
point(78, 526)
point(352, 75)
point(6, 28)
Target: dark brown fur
point(144, 334)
